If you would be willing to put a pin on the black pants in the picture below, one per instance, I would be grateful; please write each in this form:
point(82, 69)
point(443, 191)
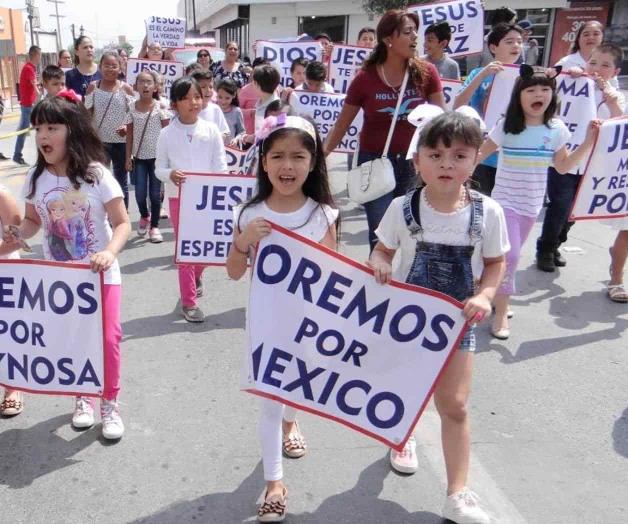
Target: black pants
point(117, 153)
point(483, 179)
point(561, 191)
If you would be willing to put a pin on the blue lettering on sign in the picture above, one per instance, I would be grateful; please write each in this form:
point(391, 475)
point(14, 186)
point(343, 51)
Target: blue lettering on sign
point(620, 138)
point(568, 87)
point(312, 381)
point(405, 325)
point(44, 371)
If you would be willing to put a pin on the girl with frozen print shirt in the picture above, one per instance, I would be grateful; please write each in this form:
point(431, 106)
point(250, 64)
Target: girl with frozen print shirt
point(293, 191)
point(529, 139)
point(452, 240)
point(69, 161)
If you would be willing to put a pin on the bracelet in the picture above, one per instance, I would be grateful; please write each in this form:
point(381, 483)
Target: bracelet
point(235, 246)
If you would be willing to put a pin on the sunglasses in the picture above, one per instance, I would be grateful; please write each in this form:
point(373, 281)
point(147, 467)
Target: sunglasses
point(203, 55)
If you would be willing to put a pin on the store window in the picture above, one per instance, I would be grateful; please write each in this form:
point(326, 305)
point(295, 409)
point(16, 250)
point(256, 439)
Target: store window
point(334, 26)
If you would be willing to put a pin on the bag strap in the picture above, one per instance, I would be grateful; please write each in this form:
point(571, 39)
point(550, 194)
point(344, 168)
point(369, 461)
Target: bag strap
point(391, 130)
point(106, 108)
point(394, 119)
point(144, 130)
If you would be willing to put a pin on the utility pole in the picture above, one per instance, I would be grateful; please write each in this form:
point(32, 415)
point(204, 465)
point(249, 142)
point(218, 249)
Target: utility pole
point(81, 30)
point(73, 34)
point(30, 9)
point(57, 16)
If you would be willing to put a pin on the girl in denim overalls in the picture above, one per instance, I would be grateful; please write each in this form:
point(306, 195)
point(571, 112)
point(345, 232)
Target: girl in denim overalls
point(453, 240)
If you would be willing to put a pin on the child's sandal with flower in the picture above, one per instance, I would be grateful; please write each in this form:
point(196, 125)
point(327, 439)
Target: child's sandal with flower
point(273, 509)
point(293, 445)
point(12, 406)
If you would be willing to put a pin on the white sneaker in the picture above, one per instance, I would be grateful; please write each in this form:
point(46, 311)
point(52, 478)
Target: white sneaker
point(83, 416)
point(406, 461)
point(462, 508)
point(112, 426)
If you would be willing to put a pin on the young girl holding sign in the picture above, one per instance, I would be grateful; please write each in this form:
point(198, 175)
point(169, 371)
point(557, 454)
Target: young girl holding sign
point(109, 100)
point(294, 192)
point(143, 125)
point(529, 139)
point(12, 404)
point(192, 144)
point(448, 239)
point(70, 161)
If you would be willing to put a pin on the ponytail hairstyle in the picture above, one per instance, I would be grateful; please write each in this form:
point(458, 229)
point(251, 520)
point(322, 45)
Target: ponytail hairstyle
point(77, 44)
point(514, 120)
point(83, 146)
point(392, 23)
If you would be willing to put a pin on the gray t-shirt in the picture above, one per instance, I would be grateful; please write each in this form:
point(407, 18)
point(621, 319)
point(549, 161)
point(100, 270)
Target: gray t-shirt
point(447, 68)
point(235, 121)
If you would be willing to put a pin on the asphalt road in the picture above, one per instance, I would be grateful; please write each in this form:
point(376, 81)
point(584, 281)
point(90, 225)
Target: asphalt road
point(549, 411)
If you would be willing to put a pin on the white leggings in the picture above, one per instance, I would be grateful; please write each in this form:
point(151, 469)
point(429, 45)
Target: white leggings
point(271, 435)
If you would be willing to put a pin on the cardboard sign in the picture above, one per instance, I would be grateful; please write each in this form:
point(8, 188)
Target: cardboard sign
point(499, 95)
point(241, 162)
point(603, 191)
point(345, 62)
point(168, 32)
point(51, 328)
point(365, 355)
point(324, 109)
point(281, 55)
point(188, 55)
point(206, 216)
point(169, 71)
point(466, 19)
point(577, 107)
point(451, 88)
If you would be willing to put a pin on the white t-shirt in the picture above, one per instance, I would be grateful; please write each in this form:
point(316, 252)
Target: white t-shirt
point(521, 177)
point(603, 111)
point(443, 228)
point(149, 142)
point(196, 148)
point(75, 222)
point(14, 254)
point(311, 221)
point(213, 113)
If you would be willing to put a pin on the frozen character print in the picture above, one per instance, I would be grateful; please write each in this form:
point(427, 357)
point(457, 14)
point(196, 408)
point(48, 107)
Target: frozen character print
point(76, 211)
point(58, 232)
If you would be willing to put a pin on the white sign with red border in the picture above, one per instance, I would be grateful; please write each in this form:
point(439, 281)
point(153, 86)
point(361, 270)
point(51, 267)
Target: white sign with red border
point(499, 95)
point(241, 161)
point(206, 225)
point(51, 330)
point(167, 69)
point(365, 355)
point(451, 88)
point(344, 63)
point(169, 32)
point(603, 190)
point(465, 18)
point(281, 55)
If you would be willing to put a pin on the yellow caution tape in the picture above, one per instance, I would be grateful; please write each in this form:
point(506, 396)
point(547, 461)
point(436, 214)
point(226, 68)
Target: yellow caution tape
point(12, 116)
point(15, 133)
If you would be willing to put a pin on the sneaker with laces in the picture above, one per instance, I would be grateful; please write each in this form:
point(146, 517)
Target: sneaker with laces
point(193, 314)
point(463, 507)
point(155, 235)
point(83, 416)
point(406, 461)
point(112, 426)
point(142, 228)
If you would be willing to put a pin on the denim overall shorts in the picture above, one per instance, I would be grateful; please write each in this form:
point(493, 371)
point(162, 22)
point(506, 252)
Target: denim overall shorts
point(442, 267)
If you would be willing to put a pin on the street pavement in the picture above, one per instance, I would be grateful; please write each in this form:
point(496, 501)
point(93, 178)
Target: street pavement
point(549, 410)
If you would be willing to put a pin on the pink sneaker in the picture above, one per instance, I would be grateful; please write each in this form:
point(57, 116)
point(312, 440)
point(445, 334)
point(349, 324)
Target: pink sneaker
point(142, 228)
point(406, 461)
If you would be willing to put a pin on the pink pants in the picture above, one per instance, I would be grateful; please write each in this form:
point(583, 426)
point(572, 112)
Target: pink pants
point(113, 334)
point(519, 227)
point(188, 274)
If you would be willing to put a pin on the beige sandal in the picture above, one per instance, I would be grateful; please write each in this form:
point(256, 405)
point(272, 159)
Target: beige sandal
point(294, 445)
point(273, 509)
point(12, 407)
point(617, 293)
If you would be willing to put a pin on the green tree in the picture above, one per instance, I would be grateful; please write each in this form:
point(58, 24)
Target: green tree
point(379, 7)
